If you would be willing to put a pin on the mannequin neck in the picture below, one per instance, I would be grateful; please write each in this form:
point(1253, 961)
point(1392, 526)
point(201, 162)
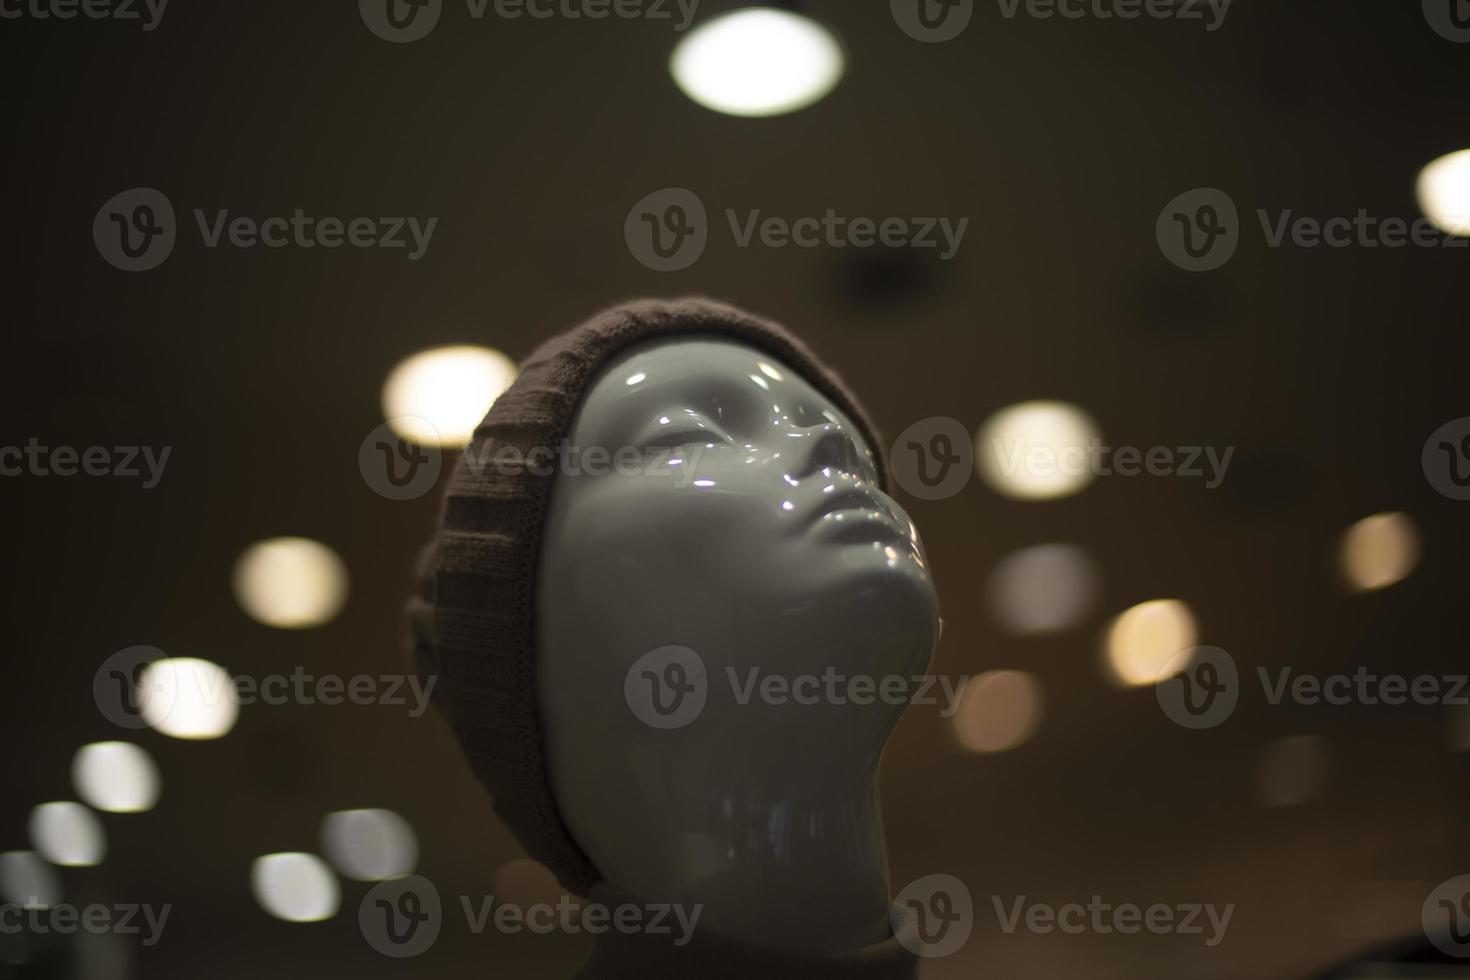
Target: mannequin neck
point(796, 865)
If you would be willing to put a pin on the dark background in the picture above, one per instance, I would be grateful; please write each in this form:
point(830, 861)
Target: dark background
point(1060, 140)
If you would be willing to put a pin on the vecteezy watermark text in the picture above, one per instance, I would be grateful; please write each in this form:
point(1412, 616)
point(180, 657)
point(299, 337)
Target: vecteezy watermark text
point(1200, 230)
point(141, 686)
point(124, 919)
point(136, 230)
point(936, 21)
point(934, 916)
point(1201, 687)
point(403, 21)
point(668, 688)
point(403, 917)
point(669, 229)
point(1105, 918)
point(148, 12)
point(124, 462)
point(1044, 461)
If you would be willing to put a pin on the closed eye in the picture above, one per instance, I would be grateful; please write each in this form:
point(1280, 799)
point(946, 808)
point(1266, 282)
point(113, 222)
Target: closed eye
point(682, 429)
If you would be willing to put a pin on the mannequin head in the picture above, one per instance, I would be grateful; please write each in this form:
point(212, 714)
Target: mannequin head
point(754, 535)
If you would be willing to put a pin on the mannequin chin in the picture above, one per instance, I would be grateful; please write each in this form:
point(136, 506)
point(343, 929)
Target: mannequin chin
point(752, 533)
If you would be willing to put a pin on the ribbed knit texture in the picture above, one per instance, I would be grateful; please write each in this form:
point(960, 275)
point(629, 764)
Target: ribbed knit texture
point(472, 622)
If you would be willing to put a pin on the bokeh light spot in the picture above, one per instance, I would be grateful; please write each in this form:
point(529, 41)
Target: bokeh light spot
point(1143, 640)
point(290, 583)
point(1037, 450)
point(758, 62)
point(1379, 551)
point(998, 711)
point(295, 887)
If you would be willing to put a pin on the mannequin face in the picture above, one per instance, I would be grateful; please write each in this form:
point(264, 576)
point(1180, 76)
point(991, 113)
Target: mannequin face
point(755, 536)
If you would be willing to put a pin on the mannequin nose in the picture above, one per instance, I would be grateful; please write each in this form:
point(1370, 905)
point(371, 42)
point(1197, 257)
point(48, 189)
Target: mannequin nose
point(828, 446)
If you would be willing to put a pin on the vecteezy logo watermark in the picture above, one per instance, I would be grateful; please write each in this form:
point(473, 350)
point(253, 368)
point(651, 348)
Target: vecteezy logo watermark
point(122, 462)
point(402, 21)
point(149, 12)
point(1450, 19)
point(934, 916)
point(668, 230)
point(1200, 229)
point(933, 459)
point(1210, 12)
point(1446, 917)
point(403, 917)
point(932, 21)
point(141, 686)
point(123, 919)
point(669, 687)
point(136, 231)
point(1201, 687)
point(1446, 459)
point(397, 467)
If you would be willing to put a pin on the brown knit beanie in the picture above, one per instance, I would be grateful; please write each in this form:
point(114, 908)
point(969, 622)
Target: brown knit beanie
point(472, 620)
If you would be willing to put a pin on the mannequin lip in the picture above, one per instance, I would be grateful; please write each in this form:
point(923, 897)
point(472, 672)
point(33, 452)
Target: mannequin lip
point(861, 526)
point(858, 515)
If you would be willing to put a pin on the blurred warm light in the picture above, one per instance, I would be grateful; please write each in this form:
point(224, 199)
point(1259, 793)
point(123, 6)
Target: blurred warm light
point(437, 397)
point(369, 845)
point(295, 887)
point(1043, 588)
point(1143, 640)
point(188, 698)
point(27, 881)
point(525, 882)
point(1443, 189)
point(758, 62)
point(1037, 450)
point(1293, 770)
point(290, 583)
point(998, 711)
point(1379, 551)
point(67, 834)
point(116, 777)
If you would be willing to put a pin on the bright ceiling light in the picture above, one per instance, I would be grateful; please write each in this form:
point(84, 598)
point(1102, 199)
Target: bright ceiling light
point(27, 881)
point(758, 62)
point(116, 777)
point(1037, 450)
point(1444, 192)
point(290, 583)
point(1145, 639)
point(67, 834)
point(998, 711)
point(1379, 551)
point(188, 698)
point(1043, 588)
point(370, 845)
point(438, 396)
point(295, 887)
